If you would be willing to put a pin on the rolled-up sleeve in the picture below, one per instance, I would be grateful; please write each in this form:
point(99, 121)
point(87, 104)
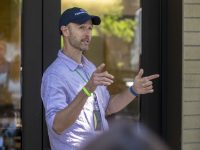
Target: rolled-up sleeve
point(54, 96)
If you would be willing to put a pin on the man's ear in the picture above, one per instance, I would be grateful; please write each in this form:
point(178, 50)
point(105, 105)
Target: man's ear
point(64, 30)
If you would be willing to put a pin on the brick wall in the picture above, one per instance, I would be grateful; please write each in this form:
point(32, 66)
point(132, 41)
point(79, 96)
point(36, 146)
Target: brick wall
point(191, 75)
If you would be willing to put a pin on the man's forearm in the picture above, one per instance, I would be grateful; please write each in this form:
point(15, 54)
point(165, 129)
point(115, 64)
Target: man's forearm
point(66, 117)
point(119, 101)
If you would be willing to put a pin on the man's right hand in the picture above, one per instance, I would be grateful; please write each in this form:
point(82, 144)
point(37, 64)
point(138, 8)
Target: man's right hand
point(99, 77)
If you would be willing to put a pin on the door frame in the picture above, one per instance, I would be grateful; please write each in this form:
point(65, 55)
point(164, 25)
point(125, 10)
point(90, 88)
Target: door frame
point(32, 42)
point(40, 42)
point(162, 53)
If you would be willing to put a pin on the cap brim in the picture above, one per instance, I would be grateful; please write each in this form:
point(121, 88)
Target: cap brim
point(95, 20)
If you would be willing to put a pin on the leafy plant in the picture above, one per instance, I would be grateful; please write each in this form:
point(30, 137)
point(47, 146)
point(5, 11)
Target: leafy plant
point(112, 25)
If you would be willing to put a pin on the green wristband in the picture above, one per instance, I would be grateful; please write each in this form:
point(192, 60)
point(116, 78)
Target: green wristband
point(86, 92)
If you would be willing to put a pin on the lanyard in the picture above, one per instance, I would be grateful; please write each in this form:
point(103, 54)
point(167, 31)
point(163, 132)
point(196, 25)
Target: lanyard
point(96, 112)
point(81, 76)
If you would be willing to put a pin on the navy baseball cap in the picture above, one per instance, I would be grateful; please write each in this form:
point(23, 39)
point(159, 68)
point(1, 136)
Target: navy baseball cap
point(78, 16)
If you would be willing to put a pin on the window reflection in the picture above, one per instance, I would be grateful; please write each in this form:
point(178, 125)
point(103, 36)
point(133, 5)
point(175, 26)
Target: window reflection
point(115, 43)
point(10, 86)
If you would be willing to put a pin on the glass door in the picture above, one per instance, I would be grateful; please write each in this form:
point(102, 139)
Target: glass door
point(10, 79)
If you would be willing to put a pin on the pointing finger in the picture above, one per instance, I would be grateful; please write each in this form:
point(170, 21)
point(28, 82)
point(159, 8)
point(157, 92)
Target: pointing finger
point(151, 77)
point(105, 74)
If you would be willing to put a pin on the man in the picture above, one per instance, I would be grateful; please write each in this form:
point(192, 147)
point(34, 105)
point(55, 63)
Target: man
point(74, 91)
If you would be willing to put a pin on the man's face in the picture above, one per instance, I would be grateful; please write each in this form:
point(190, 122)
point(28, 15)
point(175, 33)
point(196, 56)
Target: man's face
point(80, 35)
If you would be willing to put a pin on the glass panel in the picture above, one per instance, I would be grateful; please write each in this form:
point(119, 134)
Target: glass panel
point(10, 86)
point(116, 42)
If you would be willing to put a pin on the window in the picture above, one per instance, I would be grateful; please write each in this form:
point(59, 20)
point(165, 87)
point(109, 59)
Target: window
point(10, 85)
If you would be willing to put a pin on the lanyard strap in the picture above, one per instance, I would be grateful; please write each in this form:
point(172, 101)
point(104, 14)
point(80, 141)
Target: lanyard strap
point(96, 112)
point(84, 89)
point(81, 76)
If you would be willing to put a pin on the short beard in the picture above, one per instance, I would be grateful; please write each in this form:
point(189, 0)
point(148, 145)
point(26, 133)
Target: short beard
point(75, 43)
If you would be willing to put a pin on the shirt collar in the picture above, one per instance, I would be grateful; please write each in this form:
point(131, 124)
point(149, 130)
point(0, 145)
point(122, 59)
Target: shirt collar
point(71, 64)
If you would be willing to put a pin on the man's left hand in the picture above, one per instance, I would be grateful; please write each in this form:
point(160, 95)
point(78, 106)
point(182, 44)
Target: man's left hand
point(144, 85)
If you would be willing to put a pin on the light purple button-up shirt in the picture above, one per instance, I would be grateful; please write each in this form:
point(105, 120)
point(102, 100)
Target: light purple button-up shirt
point(60, 85)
